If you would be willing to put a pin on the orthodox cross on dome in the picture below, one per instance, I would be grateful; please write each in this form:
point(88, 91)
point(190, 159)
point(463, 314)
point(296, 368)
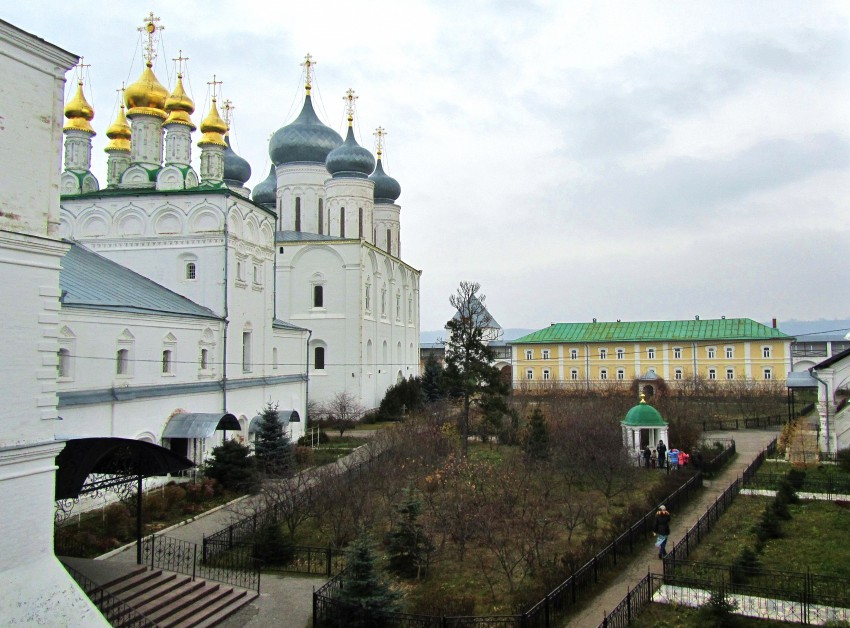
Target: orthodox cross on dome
point(150, 29)
point(180, 59)
point(308, 71)
point(379, 134)
point(349, 99)
point(228, 108)
point(214, 85)
point(81, 68)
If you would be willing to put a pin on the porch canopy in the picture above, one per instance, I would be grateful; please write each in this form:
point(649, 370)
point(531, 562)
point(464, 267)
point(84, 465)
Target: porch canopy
point(286, 417)
point(113, 461)
point(800, 379)
point(199, 424)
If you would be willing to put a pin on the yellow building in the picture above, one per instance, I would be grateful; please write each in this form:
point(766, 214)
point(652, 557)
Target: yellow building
point(606, 354)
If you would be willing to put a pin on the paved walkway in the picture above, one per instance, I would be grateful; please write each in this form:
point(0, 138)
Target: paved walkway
point(748, 444)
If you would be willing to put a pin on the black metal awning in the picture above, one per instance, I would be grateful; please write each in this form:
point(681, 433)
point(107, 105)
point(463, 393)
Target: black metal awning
point(114, 461)
point(199, 424)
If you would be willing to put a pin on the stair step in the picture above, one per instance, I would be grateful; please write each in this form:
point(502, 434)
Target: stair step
point(202, 609)
point(224, 612)
point(174, 589)
point(136, 583)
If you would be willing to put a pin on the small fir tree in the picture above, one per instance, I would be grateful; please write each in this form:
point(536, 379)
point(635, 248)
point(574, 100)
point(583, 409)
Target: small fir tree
point(272, 546)
point(537, 443)
point(272, 446)
point(363, 588)
point(408, 544)
point(231, 464)
point(432, 380)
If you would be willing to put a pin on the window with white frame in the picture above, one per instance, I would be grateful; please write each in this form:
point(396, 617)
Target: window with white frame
point(621, 353)
point(384, 302)
point(545, 354)
point(205, 359)
point(319, 358)
point(529, 374)
point(246, 351)
point(318, 296)
point(677, 353)
point(167, 363)
point(603, 373)
point(573, 354)
point(650, 353)
point(677, 374)
point(767, 374)
point(274, 357)
point(122, 362)
point(711, 352)
point(730, 353)
point(712, 373)
point(547, 374)
point(258, 275)
point(368, 296)
point(64, 365)
point(730, 373)
point(603, 354)
point(621, 374)
point(765, 352)
point(573, 373)
point(191, 271)
point(529, 353)
point(398, 305)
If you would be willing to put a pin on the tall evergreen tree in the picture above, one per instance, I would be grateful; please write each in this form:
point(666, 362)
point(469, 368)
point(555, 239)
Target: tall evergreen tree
point(432, 380)
point(408, 544)
point(363, 586)
point(272, 446)
point(469, 358)
point(231, 465)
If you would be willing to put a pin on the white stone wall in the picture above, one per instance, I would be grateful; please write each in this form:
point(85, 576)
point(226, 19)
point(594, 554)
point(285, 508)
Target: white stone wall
point(307, 182)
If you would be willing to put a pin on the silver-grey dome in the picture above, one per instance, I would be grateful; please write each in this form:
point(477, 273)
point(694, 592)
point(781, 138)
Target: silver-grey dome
point(387, 189)
point(236, 169)
point(350, 160)
point(265, 192)
point(305, 139)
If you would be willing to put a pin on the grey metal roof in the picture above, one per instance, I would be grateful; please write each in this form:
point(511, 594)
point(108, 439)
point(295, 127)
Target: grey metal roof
point(286, 417)
point(303, 236)
point(279, 324)
point(483, 318)
point(800, 379)
point(92, 281)
point(199, 425)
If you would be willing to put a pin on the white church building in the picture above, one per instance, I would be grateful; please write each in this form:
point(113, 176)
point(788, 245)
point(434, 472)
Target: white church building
point(188, 302)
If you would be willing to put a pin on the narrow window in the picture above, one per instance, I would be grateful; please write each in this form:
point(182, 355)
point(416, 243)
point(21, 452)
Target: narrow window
point(711, 353)
point(246, 351)
point(64, 365)
point(397, 305)
point(603, 354)
point(389, 242)
point(677, 374)
point(603, 374)
point(205, 354)
point(573, 374)
point(765, 352)
point(621, 374)
point(368, 297)
point(621, 353)
point(321, 216)
point(360, 223)
point(768, 373)
point(256, 274)
point(729, 353)
point(342, 222)
point(546, 374)
point(677, 353)
point(545, 354)
point(730, 374)
point(166, 362)
point(274, 357)
point(529, 353)
point(318, 296)
point(712, 373)
point(529, 374)
point(319, 358)
point(298, 213)
point(573, 354)
point(650, 353)
point(122, 362)
point(191, 270)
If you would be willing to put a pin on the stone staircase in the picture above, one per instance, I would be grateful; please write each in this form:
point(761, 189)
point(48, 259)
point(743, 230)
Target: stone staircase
point(169, 600)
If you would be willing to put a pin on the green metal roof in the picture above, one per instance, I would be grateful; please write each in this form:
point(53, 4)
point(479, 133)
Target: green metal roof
point(644, 415)
point(640, 331)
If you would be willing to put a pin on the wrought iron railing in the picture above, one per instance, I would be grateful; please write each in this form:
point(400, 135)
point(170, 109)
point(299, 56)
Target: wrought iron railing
point(114, 610)
point(635, 601)
point(236, 566)
point(828, 486)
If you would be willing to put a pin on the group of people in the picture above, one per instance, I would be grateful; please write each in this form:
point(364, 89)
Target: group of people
point(660, 457)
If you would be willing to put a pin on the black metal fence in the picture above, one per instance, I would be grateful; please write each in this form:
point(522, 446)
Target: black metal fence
point(828, 486)
point(116, 612)
point(635, 601)
point(551, 610)
point(712, 466)
point(756, 422)
point(236, 567)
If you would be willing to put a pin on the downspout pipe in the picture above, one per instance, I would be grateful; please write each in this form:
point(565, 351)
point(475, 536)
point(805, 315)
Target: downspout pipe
point(307, 383)
point(226, 313)
point(826, 406)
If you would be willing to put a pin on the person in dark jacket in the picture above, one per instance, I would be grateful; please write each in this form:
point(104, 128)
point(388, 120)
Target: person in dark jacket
point(662, 530)
point(647, 454)
point(662, 454)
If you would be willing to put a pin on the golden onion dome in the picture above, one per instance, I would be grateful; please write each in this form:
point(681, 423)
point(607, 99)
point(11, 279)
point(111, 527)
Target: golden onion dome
point(119, 133)
point(213, 128)
point(79, 112)
point(179, 106)
point(147, 95)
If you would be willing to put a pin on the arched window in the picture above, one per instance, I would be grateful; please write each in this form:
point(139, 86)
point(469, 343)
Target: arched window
point(122, 362)
point(246, 351)
point(298, 213)
point(321, 216)
point(191, 271)
point(342, 222)
point(319, 358)
point(166, 362)
point(318, 296)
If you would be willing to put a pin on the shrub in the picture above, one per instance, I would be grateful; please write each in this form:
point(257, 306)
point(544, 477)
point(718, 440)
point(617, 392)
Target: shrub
point(795, 477)
point(272, 546)
point(719, 611)
point(786, 493)
point(400, 399)
point(117, 521)
point(843, 459)
point(231, 465)
point(744, 565)
point(768, 526)
point(308, 440)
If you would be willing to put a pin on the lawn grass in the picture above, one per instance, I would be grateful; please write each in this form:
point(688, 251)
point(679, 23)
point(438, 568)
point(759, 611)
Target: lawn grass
point(813, 539)
point(817, 472)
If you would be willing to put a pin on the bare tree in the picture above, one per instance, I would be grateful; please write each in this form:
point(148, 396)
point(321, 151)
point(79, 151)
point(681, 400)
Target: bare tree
point(344, 406)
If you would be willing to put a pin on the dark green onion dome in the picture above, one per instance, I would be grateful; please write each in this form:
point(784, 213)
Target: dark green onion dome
point(387, 189)
point(644, 415)
point(236, 169)
point(265, 192)
point(306, 139)
point(350, 160)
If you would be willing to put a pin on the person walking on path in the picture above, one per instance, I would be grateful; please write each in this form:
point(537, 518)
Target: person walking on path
point(662, 530)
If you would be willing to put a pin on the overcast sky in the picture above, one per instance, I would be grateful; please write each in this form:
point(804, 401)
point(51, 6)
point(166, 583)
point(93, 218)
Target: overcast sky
point(619, 160)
